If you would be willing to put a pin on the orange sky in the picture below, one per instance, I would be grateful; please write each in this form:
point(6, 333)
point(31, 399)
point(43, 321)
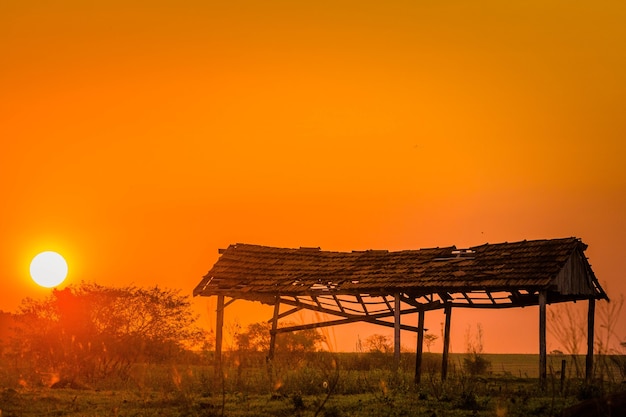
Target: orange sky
point(138, 139)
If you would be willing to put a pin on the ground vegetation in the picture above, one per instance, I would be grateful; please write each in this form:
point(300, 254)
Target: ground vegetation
point(89, 332)
point(100, 351)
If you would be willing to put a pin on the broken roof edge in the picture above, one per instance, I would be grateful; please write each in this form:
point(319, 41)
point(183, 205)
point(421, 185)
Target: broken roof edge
point(452, 247)
point(315, 249)
point(569, 244)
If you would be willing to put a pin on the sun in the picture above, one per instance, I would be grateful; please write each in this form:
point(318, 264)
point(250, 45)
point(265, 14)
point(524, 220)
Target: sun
point(48, 269)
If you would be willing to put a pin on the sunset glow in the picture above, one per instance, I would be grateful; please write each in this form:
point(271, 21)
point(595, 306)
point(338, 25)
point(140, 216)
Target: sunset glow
point(140, 138)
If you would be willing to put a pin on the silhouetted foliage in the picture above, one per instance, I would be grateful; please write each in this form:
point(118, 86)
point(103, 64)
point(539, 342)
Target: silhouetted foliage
point(378, 343)
point(429, 339)
point(475, 363)
point(566, 323)
point(91, 331)
point(256, 338)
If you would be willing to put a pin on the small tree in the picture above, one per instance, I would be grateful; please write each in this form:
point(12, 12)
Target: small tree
point(429, 339)
point(90, 331)
point(378, 343)
point(256, 338)
point(475, 363)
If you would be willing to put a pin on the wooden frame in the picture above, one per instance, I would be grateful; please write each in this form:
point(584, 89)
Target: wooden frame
point(379, 287)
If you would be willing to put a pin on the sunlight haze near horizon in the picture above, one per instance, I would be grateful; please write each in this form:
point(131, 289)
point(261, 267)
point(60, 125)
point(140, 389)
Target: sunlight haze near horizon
point(139, 139)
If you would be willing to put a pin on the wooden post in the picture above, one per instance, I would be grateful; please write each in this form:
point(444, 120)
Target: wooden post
point(219, 327)
point(420, 347)
point(590, 337)
point(446, 343)
point(270, 355)
point(396, 332)
point(542, 338)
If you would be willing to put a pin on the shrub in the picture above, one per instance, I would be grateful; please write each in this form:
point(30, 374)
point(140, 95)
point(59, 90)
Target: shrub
point(476, 365)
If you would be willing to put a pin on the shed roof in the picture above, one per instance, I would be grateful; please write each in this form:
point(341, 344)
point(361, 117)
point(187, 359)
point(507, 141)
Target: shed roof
point(260, 273)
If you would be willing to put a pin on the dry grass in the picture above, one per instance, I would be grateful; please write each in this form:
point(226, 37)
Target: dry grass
point(319, 384)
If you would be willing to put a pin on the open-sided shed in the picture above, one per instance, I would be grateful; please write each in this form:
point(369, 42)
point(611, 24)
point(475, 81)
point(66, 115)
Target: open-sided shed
point(379, 287)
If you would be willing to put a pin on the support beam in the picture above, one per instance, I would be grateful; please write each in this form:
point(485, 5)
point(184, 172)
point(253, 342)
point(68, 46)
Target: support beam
point(219, 328)
point(542, 338)
point(388, 304)
point(446, 343)
point(339, 306)
point(396, 331)
point(270, 355)
point(426, 307)
point(287, 313)
point(314, 298)
point(467, 297)
point(590, 337)
point(420, 346)
point(363, 317)
point(360, 299)
point(229, 302)
point(354, 319)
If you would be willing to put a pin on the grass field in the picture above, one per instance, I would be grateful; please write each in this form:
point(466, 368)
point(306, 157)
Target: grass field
point(315, 384)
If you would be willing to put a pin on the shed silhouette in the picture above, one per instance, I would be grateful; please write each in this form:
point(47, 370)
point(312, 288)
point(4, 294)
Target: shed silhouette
point(379, 287)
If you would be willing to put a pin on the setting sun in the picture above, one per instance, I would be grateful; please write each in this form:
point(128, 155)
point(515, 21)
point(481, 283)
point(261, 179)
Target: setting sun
point(48, 269)
point(166, 131)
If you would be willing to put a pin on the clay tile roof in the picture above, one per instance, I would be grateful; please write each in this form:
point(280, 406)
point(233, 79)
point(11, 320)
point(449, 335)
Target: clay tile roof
point(257, 272)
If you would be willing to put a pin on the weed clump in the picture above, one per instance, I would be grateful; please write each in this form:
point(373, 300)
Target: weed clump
point(589, 391)
point(475, 363)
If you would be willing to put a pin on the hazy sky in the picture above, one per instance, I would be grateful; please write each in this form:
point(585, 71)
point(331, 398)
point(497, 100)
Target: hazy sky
point(140, 137)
